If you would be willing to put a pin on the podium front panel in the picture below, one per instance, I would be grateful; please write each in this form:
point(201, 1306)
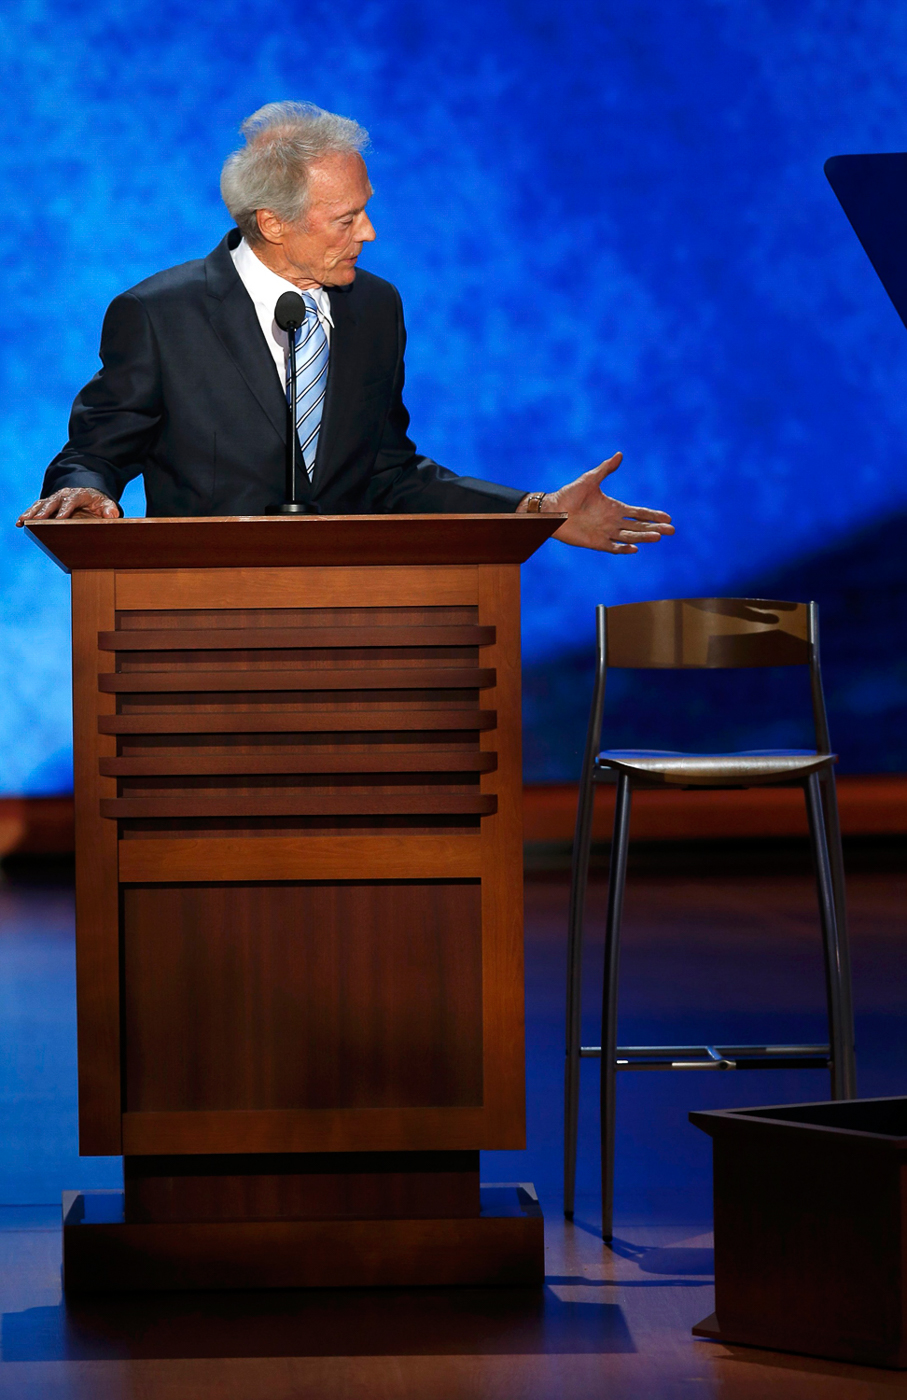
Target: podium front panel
point(299, 856)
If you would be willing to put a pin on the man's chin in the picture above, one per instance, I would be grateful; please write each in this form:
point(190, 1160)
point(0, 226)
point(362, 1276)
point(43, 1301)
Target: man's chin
point(342, 276)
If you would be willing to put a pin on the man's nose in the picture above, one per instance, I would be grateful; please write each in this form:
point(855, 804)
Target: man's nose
point(367, 230)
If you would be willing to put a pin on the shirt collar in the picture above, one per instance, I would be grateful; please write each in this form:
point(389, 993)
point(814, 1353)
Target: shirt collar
point(264, 286)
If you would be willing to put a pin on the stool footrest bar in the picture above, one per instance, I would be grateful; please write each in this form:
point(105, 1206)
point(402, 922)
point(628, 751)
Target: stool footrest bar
point(715, 1056)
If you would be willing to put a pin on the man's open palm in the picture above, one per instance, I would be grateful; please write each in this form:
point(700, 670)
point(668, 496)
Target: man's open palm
point(598, 521)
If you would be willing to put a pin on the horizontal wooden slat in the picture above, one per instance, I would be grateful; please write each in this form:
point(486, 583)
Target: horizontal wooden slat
point(337, 678)
point(313, 1130)
point(394, 586)
point(389, 856)
point(201, 763)
point(278, 638)
point(299, 722)
point(303, 802)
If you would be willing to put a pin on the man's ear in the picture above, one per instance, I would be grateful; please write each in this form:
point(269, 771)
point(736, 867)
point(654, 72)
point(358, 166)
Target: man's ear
point(270, 226)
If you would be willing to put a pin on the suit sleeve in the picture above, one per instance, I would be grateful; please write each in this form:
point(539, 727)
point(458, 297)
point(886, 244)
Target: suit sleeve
point(115, 418)
point(405, 482)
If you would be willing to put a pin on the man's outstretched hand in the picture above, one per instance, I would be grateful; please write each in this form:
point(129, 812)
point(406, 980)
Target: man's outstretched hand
point(72, 500)
point(599, 522)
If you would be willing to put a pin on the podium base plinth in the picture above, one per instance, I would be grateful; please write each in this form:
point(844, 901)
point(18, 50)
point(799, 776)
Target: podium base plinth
point(503, 1246)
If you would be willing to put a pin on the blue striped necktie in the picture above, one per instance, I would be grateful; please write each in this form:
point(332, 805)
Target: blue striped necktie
point(312, 353)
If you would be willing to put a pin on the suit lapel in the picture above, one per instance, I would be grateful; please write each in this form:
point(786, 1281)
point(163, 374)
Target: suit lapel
point(234, 321)
point(343, 370)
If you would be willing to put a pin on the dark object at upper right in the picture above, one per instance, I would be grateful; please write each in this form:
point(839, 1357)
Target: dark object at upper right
point(872, 191)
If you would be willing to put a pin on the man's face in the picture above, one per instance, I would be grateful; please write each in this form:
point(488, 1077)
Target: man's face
point(321, 248)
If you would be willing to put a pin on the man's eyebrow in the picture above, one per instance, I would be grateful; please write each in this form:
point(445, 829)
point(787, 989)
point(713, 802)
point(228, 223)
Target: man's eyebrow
point(344, 213)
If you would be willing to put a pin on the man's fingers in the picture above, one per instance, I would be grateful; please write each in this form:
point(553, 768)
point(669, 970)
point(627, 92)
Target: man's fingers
point(72, 502)
point(645, 527)
point(606, 468)
point(48, 505)
point(39, 511)
point(651, 517)
point(645, 536)
point(643, 513)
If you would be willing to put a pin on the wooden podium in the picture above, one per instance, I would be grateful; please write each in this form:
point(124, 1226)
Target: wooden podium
point(299, 899)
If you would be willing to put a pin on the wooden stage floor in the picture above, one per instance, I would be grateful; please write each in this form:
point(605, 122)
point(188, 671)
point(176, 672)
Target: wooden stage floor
point(725, 958)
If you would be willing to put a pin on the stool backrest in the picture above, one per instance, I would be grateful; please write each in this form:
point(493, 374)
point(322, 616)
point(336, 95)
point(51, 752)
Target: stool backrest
point(706, 634)
point(682, 633)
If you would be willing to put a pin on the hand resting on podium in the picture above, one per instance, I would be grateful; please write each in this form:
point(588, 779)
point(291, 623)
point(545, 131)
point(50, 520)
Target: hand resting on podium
point(72, 500)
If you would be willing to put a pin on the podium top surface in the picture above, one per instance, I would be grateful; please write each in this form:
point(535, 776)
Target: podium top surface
point(273, 541)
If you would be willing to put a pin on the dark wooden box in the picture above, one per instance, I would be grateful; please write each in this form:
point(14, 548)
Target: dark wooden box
point(810, 1239)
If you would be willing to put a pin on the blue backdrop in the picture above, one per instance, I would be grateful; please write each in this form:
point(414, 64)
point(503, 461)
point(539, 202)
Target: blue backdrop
point(611, 229)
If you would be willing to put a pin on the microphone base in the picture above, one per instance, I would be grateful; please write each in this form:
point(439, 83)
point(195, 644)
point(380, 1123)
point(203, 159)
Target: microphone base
point(291, 508)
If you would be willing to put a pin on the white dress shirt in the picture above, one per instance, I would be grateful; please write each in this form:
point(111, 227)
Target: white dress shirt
point(264, 287)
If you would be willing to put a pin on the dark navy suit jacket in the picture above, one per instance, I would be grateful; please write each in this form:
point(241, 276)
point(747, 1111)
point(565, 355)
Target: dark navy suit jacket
point(188, 396)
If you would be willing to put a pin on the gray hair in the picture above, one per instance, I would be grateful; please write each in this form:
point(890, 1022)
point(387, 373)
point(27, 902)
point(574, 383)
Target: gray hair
point(271, 171)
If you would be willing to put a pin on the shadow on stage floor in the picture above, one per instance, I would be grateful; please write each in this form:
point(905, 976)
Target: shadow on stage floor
point(392, 1322)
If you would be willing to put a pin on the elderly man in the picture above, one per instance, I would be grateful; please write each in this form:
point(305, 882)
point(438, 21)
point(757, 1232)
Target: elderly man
point(193, 388)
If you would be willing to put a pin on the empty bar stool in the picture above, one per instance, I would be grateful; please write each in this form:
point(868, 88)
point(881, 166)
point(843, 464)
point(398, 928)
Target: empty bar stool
point(701, 633)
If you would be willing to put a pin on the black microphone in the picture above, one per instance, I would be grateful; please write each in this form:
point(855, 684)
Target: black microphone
point(290, 313)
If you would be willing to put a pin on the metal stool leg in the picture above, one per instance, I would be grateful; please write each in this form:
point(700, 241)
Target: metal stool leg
point(616, 882)
point(582, 842)
point(836, 861)
point(831, 946)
